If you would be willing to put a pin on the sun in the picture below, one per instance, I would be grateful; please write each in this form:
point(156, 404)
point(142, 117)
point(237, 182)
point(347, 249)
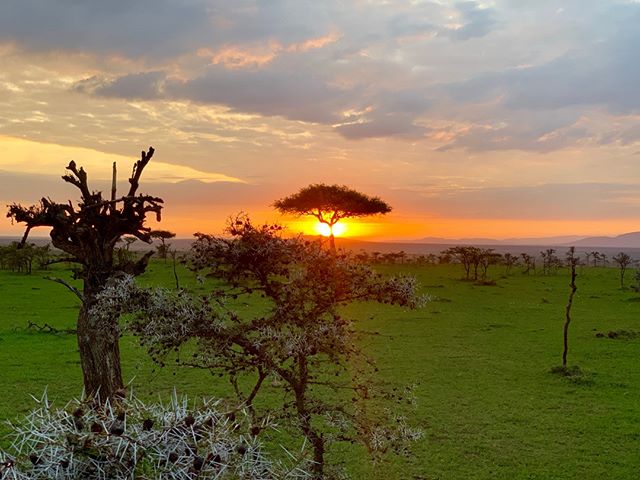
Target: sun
point(323, 229)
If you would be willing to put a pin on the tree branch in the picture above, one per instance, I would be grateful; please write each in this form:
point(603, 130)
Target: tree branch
point(62, 260)
point(69, 286)
point(25, 236)
point(79, 181)
point(138, 167)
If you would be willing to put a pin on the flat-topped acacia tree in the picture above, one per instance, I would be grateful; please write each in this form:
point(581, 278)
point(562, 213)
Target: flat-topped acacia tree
point(330, 204)
point(88, 233)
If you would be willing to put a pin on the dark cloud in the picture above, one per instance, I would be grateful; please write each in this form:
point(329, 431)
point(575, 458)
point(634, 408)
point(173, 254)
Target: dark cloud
point(389, 66)
point(388, 126)
point(271, 92)
point(141, 28)
point(144, 86)
point(477, 22)
point(295, 95)
point(429, 18)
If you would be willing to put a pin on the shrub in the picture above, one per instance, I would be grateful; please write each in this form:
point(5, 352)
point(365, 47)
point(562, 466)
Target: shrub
point(126, 438)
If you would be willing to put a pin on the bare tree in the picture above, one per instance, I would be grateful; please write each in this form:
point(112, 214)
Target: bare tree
point(572, 262)
point(550, 262)
point(528, 263)
point(88, 233)
point(509, 262)
point(623, 260)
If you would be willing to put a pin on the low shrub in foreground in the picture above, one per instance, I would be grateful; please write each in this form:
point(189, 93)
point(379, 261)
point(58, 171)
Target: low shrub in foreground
point(127, 439)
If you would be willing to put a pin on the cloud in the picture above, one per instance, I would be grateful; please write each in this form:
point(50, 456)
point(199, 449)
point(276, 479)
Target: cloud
point(295, 95)
point(476, 21)
point(250, 56)
point(142, 28)
point(495, 67)
point(382, 125)
point(143, 86)
point(270, 92)
point(606, 76)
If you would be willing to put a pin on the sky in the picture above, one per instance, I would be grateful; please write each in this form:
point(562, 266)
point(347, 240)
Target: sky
point(503, 118)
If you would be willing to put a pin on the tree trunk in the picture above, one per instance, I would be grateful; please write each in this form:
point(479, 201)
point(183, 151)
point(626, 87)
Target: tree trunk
point(99, 355)
point(318, 455)
point(567, 320)
point(332, 242)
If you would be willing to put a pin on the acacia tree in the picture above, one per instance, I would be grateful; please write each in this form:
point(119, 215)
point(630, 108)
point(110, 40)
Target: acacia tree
point(88, 233)
point(509, 261)
point(623, 260)
point(478, 258)
point(164, 247)
point(488, 257)
point(463, 256)
point(330, 204)
point(298, 337)
point(550, 262)
point(528, 263)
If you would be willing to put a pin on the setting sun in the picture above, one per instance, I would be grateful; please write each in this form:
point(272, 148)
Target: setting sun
point(323, 229)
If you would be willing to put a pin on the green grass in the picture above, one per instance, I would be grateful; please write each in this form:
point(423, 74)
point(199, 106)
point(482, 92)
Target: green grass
point(481, 357)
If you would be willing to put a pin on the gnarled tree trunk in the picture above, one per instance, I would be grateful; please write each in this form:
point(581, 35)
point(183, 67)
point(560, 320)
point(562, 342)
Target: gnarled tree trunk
point(89, 233)
point(99, 347)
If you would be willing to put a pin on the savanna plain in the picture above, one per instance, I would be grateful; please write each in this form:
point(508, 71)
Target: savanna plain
point(480, 357)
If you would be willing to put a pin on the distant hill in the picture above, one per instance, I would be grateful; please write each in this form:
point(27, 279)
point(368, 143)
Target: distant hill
point(544, 241)
point(627, 240)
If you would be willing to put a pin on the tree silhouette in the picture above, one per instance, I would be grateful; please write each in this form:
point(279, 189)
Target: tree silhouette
point(330, 204)
point(550, 262)
point(528, 263)
point(509, 261)
point(572, 261)
point(89, 233)
point(164, 247)
point(623, 260)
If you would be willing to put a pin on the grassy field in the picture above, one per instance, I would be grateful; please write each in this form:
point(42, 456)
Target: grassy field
point(480, 355)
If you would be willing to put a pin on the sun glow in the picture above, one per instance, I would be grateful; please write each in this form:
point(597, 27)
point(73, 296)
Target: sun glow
point(323, 229)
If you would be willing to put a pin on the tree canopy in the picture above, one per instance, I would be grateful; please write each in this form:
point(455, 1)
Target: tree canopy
point(330, 204)
point(299, 338)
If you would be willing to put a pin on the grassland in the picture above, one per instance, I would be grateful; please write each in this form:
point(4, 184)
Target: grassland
point(480, 356)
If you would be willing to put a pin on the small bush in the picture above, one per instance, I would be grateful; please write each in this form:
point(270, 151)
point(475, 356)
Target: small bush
point(574, 374)
point(486, 283)
point(619, 334)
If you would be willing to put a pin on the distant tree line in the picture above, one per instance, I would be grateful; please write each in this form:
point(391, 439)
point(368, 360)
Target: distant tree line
point(476, 261)
point(24, 258)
